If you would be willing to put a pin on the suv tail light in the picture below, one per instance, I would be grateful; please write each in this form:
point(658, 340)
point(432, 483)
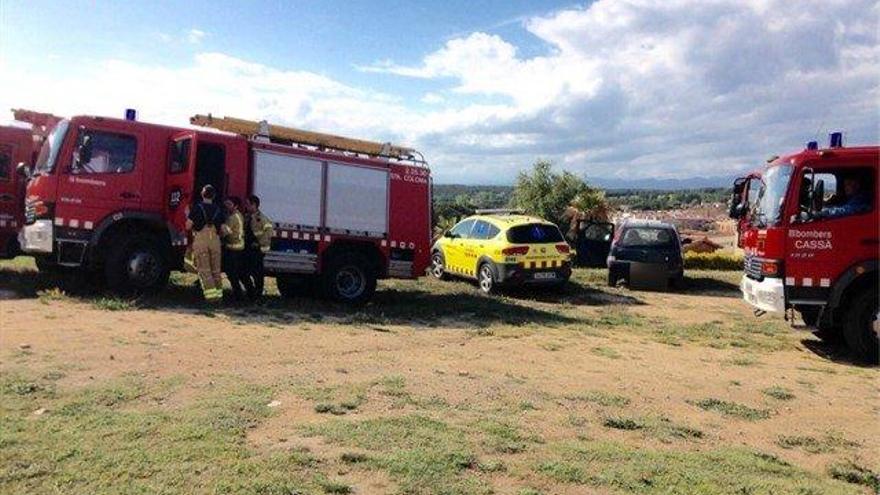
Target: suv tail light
point(515, 251)
point(563, 248)
point(771, 268)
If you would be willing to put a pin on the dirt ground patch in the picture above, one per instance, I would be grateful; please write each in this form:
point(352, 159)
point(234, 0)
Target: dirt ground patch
point(432, 388)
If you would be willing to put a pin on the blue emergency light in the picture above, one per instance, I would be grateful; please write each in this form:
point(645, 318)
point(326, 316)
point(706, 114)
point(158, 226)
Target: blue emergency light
point(836, 140)
point(130, 114)
point(812, 145)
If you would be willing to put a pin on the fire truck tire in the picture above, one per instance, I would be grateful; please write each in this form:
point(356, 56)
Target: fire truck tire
point(135, 264)
point(438, 266)
point(291, 286)
point(349, 278)
point(861, 326)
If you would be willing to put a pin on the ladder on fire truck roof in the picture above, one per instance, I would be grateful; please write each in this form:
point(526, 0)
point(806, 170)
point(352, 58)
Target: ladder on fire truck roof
point(42, 122)
point(290, 135)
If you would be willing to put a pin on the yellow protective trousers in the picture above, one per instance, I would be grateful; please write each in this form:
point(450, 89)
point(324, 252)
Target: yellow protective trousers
point(207, 255)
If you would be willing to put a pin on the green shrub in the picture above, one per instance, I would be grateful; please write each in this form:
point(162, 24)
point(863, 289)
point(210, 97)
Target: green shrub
point(713, 261)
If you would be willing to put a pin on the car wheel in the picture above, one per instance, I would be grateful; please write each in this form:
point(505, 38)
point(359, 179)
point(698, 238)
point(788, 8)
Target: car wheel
point(677, 282)
point(438, 266)
point(612, 280)
point(486, 278)
point(861, 329)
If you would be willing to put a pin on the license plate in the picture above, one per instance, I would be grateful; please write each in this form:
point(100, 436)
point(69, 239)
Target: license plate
point(545, 276)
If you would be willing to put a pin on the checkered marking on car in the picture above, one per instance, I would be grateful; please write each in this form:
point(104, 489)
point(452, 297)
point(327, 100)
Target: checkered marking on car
point(461, 271)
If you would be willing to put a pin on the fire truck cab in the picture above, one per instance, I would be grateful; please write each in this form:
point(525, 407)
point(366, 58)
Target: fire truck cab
point(16, 146)
point(110, 196)
point(812, 244)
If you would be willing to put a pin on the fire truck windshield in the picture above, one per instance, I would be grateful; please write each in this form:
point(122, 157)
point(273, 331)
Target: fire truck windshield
point(772, 195)
point(49, 152)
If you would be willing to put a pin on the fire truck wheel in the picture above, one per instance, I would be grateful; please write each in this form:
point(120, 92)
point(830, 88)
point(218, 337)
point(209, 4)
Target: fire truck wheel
point(349, 278)
point(861, 328)
point(136, 264)
point(824, 330)
point(438, 266)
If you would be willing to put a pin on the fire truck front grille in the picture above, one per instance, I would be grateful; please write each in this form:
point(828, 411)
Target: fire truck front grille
point(753, 267)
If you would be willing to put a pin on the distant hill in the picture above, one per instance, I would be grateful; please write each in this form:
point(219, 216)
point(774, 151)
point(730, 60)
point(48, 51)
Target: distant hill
point(455, 200)
point(608, 183)
point(664, 184)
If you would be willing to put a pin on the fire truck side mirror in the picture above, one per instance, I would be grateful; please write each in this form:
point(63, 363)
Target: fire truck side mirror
point(737, 202)
point(23, 170)
point(818, 197)
point(83, 150)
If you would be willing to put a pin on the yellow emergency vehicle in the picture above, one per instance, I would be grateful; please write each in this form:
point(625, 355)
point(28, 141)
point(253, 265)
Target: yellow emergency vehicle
point(503, 248)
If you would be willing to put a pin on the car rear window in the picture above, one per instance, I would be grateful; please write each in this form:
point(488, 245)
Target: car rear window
point(646, 236)
point(534, 233)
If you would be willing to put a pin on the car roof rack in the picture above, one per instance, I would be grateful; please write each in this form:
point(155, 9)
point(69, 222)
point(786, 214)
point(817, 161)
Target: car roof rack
point(500, 211)
point(291, 135)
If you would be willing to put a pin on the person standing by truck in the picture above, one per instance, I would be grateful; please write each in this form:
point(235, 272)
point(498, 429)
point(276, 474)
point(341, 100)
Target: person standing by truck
point(205, 219)
point(233, 250)
point(258, 239)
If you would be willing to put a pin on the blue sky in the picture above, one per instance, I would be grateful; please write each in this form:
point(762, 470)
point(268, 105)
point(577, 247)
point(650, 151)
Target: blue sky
point(614, 88)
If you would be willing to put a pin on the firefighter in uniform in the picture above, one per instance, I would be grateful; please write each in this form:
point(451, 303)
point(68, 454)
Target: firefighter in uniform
point(205, 220)
point(233, 253)
point(258, 239)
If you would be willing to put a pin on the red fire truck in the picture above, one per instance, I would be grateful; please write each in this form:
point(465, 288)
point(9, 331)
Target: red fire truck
point(812, 242)
point(109, 196)
point(16, 146)
point(19, 143)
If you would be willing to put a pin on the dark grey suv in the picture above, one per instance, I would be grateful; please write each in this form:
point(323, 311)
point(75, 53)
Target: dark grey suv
point(646, 252)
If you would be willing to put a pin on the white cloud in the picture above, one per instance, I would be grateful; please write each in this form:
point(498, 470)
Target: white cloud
point(679, 87)
point(628, 88)
point(433, 98)
point(215, 83)
point(195, 36)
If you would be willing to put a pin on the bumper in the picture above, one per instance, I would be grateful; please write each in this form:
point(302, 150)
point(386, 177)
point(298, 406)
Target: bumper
point(37, 238)
point(621, 269)
point(766, 295)
point(515, 274)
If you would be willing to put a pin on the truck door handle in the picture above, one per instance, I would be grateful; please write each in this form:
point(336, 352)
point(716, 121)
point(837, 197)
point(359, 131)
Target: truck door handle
point(871, 241)
point(128, 195)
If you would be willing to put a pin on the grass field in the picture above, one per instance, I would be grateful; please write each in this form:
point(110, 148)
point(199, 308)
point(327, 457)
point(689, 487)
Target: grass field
point(431, 389)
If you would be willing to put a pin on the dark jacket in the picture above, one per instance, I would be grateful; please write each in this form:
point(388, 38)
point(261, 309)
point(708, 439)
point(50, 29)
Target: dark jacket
point(202, 214)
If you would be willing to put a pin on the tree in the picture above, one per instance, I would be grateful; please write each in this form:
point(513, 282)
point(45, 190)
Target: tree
point(548, 195)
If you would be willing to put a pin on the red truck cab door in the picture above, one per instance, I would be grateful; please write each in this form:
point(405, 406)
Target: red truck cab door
point(180, 180)
point(821, 247)
point(745, 194)
point(103, 175)
point(11, 193)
